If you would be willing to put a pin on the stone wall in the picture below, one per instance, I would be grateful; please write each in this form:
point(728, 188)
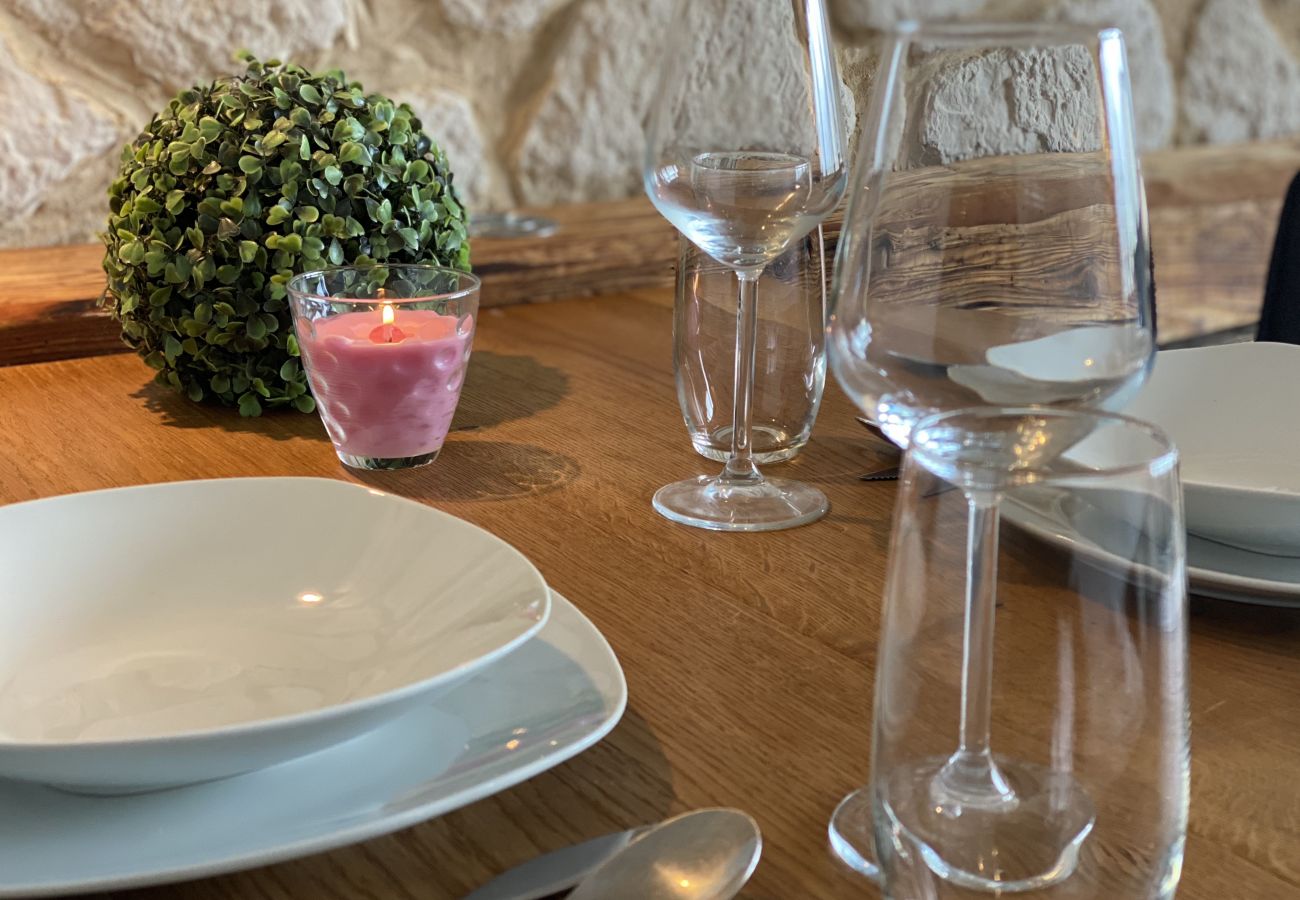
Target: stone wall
point(536, 101)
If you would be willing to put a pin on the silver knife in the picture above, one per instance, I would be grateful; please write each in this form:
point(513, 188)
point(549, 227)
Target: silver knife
point(556, 871)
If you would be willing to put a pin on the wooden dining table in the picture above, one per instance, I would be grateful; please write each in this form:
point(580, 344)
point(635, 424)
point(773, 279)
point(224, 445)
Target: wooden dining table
point(749, 657)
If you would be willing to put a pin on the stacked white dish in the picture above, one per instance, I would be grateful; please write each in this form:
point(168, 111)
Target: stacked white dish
point(369, 661)
point(1231, 413)
point(1238, 440)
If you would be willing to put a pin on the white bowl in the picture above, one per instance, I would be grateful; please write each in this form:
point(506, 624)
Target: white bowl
point(174, 633)
point(1231, 411)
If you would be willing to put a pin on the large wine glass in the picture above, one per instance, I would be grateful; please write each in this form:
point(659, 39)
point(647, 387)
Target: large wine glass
point(745, 156)
point(995, 252)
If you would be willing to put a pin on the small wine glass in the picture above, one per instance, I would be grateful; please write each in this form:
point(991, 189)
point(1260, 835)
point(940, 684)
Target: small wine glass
point(995, 252)
point(745, 156)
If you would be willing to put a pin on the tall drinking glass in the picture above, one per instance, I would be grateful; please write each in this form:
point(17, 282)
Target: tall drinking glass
point(995, 251)
point(1089, 735)
point(789, 350)
point(745, 156)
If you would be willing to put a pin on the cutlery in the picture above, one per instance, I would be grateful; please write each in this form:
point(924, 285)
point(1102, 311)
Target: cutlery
point(557, 871)
point(708, 854)
point(712, 853)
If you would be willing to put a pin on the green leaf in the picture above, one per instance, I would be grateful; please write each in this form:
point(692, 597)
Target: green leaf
point(291, 345)
point(309, 93)
point(333, 174)
point(131, 252)
point(255, 328)
point(249, 407)
point(308, 213)
point(220, 384)
point(289, 369)
point(248, 249)
point(276, 214)
point(352, 152)
point(385, 212)
point(335, 253)
point(194, 391)
point(175, 201)
point(305, 404)
point(209, 128)
point(203, 313)
point(160, 296)
point(304, 149)
point(228, 274)
point(171, 348)
point(250, 164)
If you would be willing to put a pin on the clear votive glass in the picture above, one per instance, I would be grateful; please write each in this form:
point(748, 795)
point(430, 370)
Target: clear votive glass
point(385, 350)
point(789, 350)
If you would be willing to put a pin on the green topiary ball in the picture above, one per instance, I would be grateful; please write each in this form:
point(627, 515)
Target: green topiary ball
point(240, 185)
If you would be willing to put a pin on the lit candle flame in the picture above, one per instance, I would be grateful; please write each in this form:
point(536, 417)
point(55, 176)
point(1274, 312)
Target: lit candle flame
point(387, 313)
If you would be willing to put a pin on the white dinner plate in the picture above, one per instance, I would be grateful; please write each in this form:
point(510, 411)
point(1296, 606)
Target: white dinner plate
point(544, 703)
point(1213, 569)
point(173, 633)
point(1230, 411)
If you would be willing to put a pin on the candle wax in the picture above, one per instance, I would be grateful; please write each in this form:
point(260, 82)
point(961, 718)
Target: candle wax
point(384, 399)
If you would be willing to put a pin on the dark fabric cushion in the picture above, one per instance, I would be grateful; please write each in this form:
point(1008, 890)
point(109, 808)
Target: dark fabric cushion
point(1280, 318)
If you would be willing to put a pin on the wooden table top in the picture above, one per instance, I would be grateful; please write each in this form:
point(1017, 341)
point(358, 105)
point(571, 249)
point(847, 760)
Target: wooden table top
point(749, 658)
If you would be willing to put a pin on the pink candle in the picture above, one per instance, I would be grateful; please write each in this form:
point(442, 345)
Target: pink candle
point(386, 389)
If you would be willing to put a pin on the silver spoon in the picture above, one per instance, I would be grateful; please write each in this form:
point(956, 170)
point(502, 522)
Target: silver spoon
point(708, 854)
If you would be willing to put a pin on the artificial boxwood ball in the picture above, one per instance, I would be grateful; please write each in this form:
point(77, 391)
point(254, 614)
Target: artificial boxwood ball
point(238, 186)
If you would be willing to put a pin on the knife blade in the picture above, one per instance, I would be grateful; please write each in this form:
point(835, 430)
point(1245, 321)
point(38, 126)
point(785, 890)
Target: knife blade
point(556, 871)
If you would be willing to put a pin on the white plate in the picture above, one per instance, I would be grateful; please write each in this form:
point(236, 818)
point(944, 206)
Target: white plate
point(173, 633)
point(1061, 366)
point(1213, 569)
point(544, 703)
point(1230, 410)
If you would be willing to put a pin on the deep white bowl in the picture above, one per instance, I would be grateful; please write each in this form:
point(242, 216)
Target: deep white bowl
point(1231, 410)
point(174, 633)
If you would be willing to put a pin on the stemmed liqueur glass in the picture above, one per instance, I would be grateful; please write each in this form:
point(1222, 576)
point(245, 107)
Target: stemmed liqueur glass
point(745, 156)
point(995, 252)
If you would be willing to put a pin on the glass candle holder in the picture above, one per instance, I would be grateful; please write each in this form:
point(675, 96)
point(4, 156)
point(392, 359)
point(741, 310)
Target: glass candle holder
point(385, 350)
point(789, 350)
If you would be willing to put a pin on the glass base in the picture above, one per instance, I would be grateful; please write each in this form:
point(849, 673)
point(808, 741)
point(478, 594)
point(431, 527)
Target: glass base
point(851, 834)
point(387, 462)
point(767, 445)
point(769, 504)
point(1030, 842)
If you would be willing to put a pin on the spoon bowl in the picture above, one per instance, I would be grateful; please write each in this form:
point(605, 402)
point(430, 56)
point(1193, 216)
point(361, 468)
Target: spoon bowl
point(707, 854)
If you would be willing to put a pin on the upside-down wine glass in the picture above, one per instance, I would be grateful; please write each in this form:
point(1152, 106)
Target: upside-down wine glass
point(995, 252)
point(745, 156)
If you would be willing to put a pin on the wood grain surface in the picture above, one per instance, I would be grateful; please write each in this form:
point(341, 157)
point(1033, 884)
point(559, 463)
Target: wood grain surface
point(749, 658)
point(1213, 215)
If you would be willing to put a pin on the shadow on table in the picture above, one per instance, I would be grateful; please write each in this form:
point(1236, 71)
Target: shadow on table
point(177, 411)
point(499, 388)
point(480, 470)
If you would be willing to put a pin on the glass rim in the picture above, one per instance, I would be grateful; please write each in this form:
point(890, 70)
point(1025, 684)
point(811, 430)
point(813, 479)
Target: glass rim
point(1010, 32)
point(472, 287)
point(1162, 457)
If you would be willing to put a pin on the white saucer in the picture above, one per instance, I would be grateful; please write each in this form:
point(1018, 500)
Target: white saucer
point(547, 701)
point(1213, 570)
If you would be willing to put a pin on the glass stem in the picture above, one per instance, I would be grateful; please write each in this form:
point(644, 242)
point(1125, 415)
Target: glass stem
point(971, 777)
point(740, 465)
